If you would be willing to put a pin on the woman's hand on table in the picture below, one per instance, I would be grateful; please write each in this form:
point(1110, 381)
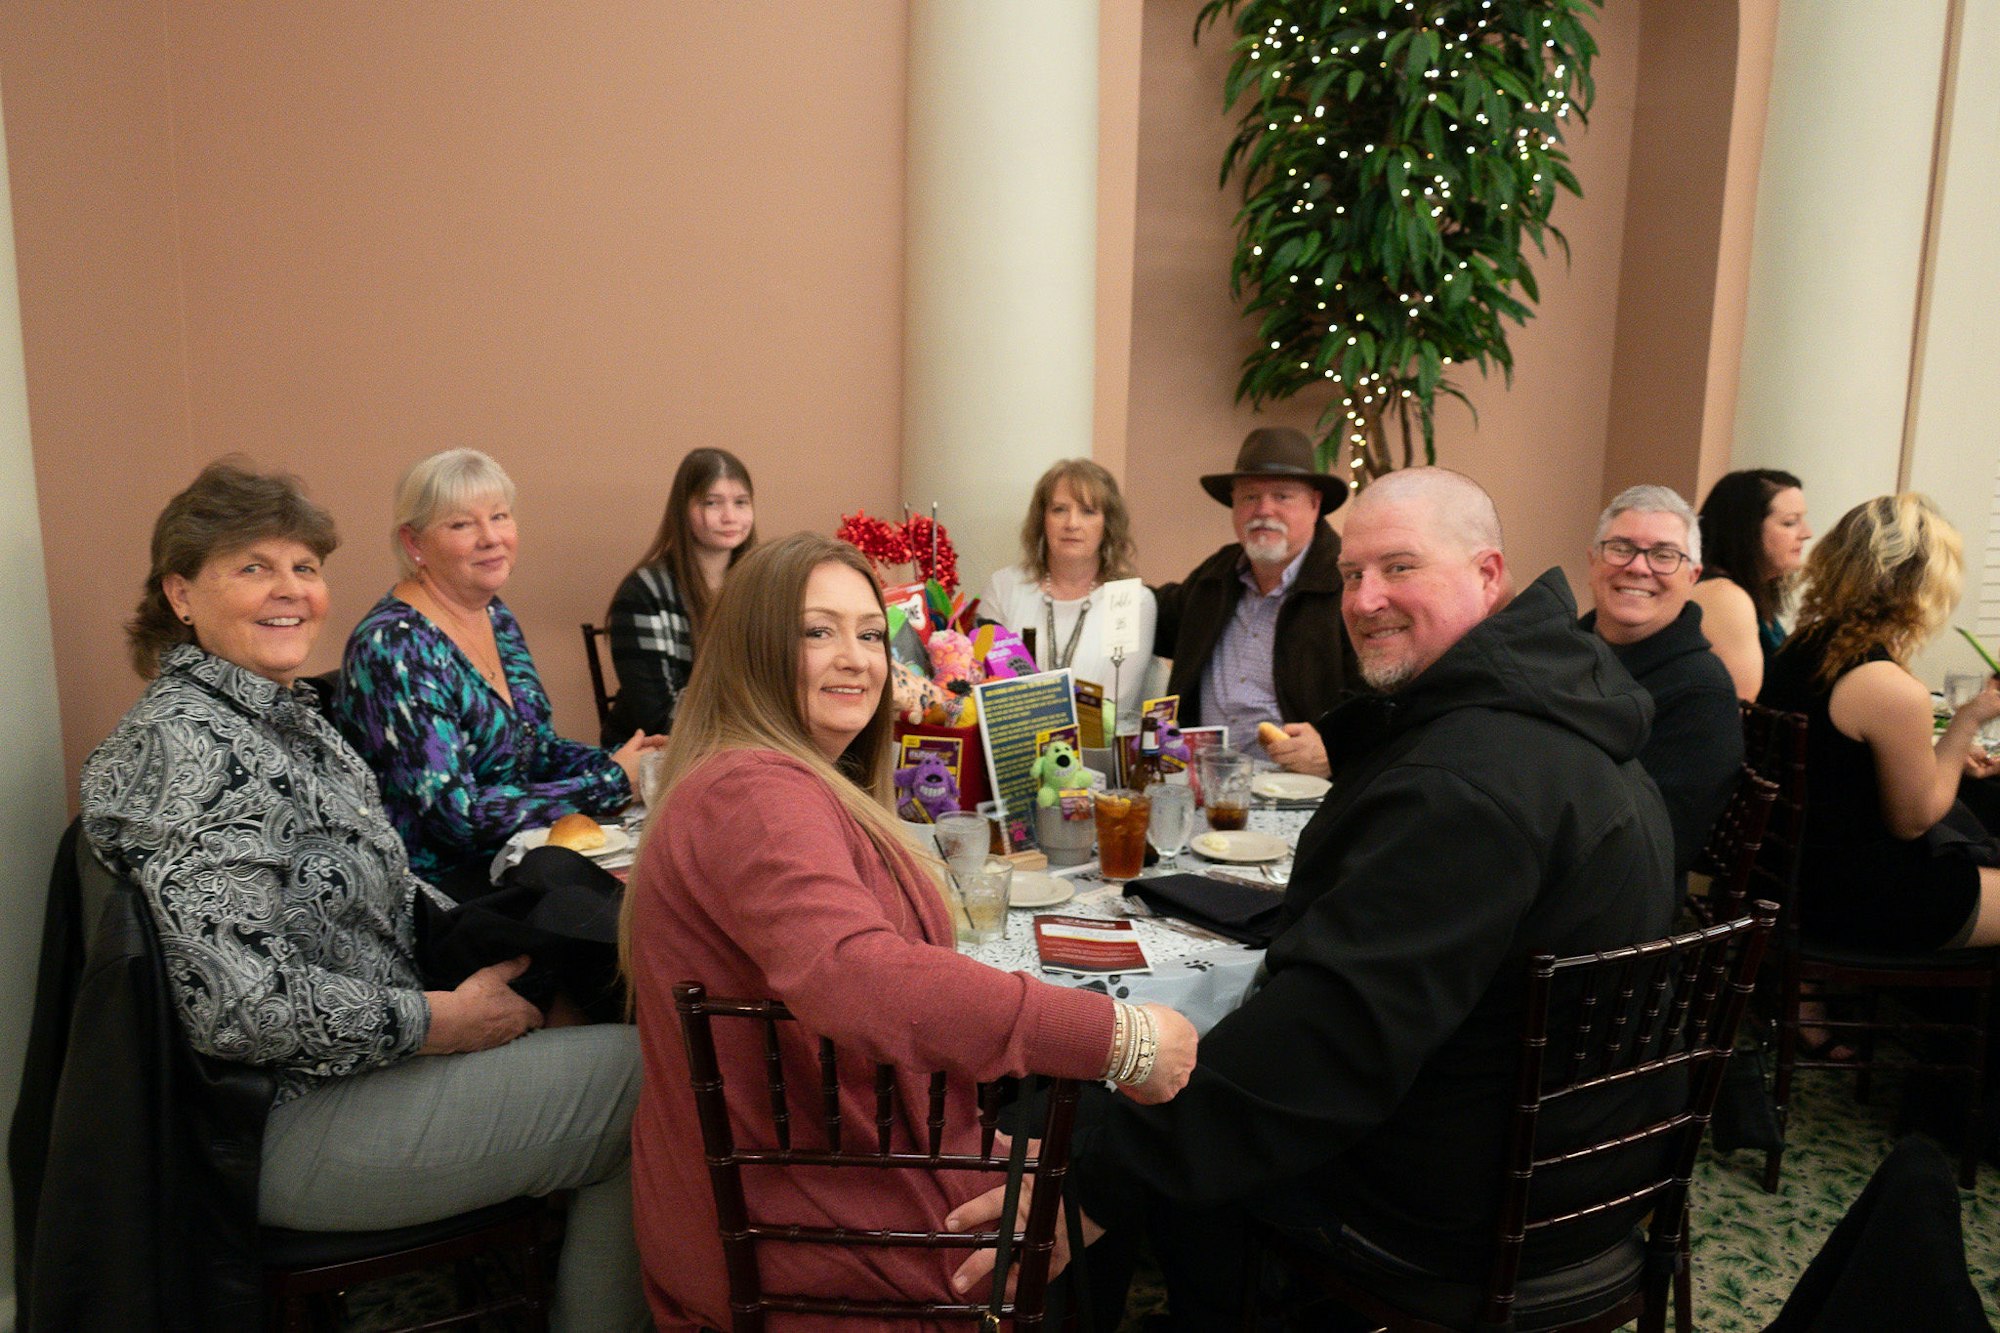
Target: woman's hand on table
point(983, 1211)
point(1174, 1061)
point(1301, 750)
point(627, 755)
point(482, 1013)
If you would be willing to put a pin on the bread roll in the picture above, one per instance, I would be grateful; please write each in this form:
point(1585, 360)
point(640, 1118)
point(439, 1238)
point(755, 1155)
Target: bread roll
point(579, 833)
point(1268, 732)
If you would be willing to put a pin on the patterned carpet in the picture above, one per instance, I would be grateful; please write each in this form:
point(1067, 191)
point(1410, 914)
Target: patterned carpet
point(1749, 1246)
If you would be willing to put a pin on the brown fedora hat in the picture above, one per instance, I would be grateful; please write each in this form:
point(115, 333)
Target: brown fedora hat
point(1278, 453)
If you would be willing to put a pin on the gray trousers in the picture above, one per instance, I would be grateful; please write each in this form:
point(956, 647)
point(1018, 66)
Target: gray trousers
point(439, 1135)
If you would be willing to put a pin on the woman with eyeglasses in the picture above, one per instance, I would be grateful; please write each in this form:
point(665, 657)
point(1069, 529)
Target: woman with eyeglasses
point(1753, 529)
point(1643, 568)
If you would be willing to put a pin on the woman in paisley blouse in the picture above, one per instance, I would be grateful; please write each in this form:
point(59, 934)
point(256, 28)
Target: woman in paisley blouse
point(438, 692)
point(285, 908)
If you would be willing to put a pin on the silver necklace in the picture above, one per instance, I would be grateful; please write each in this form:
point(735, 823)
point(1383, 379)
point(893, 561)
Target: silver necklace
point(1059, 660)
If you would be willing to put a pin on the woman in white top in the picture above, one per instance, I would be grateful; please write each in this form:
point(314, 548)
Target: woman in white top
point(1076, 538)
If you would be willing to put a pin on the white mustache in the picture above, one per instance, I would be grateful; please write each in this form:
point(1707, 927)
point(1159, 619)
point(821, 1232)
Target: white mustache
point(1265, 525)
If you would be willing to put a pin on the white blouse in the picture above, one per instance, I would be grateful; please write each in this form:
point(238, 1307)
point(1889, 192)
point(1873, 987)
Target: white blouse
point(1014, 598)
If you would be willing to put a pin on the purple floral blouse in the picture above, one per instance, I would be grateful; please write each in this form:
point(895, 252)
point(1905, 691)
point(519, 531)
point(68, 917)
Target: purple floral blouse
point(460, 771)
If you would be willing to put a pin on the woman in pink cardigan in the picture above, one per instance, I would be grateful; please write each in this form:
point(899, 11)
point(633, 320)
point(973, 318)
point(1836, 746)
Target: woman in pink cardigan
point(775, 867)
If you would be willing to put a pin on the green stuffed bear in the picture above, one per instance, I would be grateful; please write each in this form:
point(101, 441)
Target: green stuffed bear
point(1058, 770)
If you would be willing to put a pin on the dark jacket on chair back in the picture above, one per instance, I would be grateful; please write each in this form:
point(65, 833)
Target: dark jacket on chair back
point(135, 1159)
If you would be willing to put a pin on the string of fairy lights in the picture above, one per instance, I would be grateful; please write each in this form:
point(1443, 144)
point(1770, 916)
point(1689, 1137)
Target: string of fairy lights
point(1364, 38)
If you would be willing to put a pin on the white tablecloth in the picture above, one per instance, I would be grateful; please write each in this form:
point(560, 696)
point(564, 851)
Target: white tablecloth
point(1203, 978)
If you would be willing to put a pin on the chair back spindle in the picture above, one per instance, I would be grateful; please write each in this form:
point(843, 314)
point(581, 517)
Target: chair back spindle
point(1731, 855)
point(730, 1151)
point(603, 697)
point(1651, 1012)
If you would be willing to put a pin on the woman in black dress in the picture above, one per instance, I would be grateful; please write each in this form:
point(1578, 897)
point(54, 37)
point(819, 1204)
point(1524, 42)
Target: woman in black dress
point(1877, 588)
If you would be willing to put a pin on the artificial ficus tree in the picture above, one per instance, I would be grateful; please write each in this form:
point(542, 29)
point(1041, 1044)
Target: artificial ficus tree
point(1394, 156)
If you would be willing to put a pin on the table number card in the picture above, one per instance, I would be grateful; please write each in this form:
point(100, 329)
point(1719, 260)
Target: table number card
point(1120, 599)
point(1121, 619)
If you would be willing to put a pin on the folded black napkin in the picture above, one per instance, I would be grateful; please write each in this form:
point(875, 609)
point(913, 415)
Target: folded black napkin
point(1239, 912)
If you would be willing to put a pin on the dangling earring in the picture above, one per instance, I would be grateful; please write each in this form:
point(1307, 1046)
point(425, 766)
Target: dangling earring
point(1042, 550)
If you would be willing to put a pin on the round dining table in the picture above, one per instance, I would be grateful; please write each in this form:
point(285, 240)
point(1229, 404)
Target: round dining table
point(1203, 976)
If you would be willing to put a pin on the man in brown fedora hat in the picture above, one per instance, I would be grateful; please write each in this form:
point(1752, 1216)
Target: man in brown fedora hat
point(1254, 632)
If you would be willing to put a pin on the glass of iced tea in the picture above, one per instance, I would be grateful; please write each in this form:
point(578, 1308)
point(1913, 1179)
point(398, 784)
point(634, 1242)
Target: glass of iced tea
point(1122, 817)
point(1225, 788)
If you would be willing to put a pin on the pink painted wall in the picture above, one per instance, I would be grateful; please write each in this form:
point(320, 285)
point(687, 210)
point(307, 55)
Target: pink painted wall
point(337, 237)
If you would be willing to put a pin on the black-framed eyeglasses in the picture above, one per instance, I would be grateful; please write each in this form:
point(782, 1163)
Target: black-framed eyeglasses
point(1660, 559)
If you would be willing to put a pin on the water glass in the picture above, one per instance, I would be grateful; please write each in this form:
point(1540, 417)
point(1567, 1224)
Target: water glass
point(982, 894)
point(963, 839)
point(651, 762)
point(1172, 822)
point(1960, 686)
point(1959, 689)
point(1225, 787)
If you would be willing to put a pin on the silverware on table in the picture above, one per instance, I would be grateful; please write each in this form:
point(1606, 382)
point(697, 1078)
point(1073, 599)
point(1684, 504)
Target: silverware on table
point(1139, 907)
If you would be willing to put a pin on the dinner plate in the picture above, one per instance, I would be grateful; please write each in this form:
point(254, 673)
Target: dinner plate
point(615, 840)
point(1241, 846)
point(1031, 888)
point(1289, 786)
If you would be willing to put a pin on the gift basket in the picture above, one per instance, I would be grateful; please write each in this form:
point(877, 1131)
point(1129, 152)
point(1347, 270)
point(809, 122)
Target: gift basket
point(938, 653)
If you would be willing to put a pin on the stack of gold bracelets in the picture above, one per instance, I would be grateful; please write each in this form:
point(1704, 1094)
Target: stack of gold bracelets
point(1135, 1045)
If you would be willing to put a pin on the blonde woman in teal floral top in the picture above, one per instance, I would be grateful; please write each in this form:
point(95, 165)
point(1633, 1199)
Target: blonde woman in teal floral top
point(440, 696)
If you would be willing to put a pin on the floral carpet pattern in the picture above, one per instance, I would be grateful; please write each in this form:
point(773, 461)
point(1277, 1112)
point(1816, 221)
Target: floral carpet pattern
point(1750, 1247)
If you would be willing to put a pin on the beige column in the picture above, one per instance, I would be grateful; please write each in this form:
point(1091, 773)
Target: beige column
point(33, 802)
point(1000, 305)
point(1842, 198)
point(1954, 449)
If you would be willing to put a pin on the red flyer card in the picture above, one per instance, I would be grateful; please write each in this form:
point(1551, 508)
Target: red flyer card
point(1087, 946)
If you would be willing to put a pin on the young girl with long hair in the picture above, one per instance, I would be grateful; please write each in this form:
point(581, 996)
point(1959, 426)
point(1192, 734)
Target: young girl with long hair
point(658, 613)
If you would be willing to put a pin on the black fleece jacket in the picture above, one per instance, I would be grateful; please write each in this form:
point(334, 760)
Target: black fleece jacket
point(1696, 749)
point(1489, 810)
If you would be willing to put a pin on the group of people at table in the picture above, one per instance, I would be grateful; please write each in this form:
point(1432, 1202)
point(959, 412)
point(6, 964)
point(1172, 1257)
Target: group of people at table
point(1507, 779)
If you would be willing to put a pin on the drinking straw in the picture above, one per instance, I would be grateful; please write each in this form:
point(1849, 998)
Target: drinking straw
point(1980, 648)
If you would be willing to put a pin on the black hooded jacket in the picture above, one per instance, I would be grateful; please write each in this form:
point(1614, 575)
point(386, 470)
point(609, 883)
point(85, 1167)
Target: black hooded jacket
point(1489, 810)
point(1696, 748)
